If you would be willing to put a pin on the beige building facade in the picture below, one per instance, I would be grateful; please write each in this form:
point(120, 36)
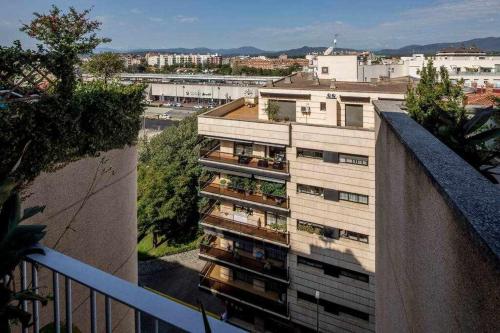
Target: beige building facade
point(320, 147)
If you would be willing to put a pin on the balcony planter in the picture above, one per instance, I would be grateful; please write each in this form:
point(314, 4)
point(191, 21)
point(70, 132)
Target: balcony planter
point(263, 163)
point(223, 183)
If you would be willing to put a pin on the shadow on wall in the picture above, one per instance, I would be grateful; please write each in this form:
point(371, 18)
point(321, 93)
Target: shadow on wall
point(91, 207)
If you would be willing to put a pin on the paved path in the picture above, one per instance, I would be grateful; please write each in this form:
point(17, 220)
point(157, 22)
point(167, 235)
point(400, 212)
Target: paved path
point(177, 276)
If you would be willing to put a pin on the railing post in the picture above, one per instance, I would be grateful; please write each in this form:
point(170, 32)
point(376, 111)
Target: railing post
point(23, 287)
point(69, 307)
point(93, 312)
point(36, 306)
point(55, 289)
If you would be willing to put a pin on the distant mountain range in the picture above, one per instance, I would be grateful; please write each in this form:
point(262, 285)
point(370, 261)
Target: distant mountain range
point(488, 44)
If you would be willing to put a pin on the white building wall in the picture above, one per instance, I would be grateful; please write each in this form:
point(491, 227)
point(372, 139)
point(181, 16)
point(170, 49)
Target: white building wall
point(340, 67)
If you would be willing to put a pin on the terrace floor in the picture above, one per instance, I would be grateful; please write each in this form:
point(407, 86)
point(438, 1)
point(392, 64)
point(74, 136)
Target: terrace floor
point(244, 112)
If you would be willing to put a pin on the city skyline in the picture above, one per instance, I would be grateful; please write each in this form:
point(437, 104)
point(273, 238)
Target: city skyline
point(226, 24)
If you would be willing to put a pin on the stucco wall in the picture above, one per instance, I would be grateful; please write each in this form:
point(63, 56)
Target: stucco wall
point(433, 274)
point(91, 216)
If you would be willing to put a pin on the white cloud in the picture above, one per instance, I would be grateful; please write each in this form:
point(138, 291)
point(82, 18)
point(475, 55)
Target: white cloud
point(185, 19)
point(156, 19)
point(442, 22)
point(136, 11)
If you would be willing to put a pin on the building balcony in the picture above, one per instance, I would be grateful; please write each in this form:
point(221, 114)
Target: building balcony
point(214, 158)
point(217, 220)
point(213, 189)
point(214, 251)
point(214, 279)
point(68, 273)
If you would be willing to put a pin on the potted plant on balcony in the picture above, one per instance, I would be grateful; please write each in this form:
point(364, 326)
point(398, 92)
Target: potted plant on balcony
point(249, 186)
point(223, 183)
point(279, 193)
point(266, 188)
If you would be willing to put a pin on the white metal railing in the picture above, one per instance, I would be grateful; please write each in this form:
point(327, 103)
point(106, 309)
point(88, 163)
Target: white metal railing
point(161, 309)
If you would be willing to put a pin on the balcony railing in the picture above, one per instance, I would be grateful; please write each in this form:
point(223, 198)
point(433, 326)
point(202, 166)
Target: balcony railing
point(211, 187)
point(162, 310)
point(230, 291)
point(265, 164)
point(278, 237)
point(262, 267)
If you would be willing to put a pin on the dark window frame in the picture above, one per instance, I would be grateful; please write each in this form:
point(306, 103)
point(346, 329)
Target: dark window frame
point(350, 197)
point(322, 106)
point(310, 153)
point(324, 70)
point(363, 159)
point(333, 270)
point(355, 236)
point(301, 188)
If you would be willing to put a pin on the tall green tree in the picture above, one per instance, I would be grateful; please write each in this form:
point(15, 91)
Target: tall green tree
point(168, 174)
point(438, 105)
point(105, 65)
point(63, 37)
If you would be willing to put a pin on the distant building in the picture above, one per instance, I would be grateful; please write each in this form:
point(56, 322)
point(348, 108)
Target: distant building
point(132, 60)
point(474, 66)
point(162, 60)
point(267, 63)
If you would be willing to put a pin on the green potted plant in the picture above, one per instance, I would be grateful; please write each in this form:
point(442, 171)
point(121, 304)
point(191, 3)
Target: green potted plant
point(223, 183)
point(248, 185)
point(279, 193)
point(266, 188)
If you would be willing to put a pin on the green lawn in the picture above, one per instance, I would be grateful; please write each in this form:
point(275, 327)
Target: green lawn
point(146, 251)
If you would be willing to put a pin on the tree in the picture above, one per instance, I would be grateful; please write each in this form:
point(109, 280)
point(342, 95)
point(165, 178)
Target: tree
point(63, 37)
point(438, 105)
point(105, 65)
point(168, 174)
point(272, 109)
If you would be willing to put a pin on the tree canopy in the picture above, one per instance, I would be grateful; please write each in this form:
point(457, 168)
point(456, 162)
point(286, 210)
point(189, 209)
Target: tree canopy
point(168, 174)
point(105, 65)
point(439, 105)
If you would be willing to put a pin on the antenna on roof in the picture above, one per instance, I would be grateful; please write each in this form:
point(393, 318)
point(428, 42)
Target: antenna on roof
point(335, 41)
point(331, 49)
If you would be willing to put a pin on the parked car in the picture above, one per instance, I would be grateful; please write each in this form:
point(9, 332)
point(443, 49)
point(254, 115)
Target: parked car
point(169, 104)
point(179, 105)
point(166, 115)
point(198, 106)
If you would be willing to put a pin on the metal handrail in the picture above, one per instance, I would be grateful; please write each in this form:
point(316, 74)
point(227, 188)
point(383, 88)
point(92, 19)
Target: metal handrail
point(207, 153)
point(141, 300)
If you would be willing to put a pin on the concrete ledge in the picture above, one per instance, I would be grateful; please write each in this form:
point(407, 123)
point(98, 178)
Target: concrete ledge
point(474, 199)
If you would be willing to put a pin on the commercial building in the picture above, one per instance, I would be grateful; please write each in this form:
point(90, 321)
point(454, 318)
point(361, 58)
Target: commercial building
point(282, 62)
point(162, 60)
point(198, 88)
point(292, 213)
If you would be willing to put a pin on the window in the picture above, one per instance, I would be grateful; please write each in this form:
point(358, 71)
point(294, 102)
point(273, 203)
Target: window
point(333, 270)
point(317, 229)
point(275, 221)
point(277, 152)
point(309, 153)
point(308, 189)
point(275, 252)
point(242, 209)
point(353, 159)
point(244, 245)
point(322, 106)
point(354, 236)
point(324, 70)
point(354, 115)
point(309, 227)
point(245, 149)
point(332, 307)
point(242, 276)
point(354, 197)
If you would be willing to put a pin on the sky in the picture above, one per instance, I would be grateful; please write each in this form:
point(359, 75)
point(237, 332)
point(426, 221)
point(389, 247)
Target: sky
point(270, 24)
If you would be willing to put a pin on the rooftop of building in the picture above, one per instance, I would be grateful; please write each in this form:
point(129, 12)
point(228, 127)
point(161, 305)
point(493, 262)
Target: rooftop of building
point(305, 81)
point(240, 109)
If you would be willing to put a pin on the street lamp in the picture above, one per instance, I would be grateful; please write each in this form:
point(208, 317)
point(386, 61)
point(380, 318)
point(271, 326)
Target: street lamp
point(316, 295)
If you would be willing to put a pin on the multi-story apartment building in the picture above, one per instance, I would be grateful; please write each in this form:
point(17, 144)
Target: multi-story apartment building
point(293, 197)
point(162, 60)
point(267, 63)
point(474, 66)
